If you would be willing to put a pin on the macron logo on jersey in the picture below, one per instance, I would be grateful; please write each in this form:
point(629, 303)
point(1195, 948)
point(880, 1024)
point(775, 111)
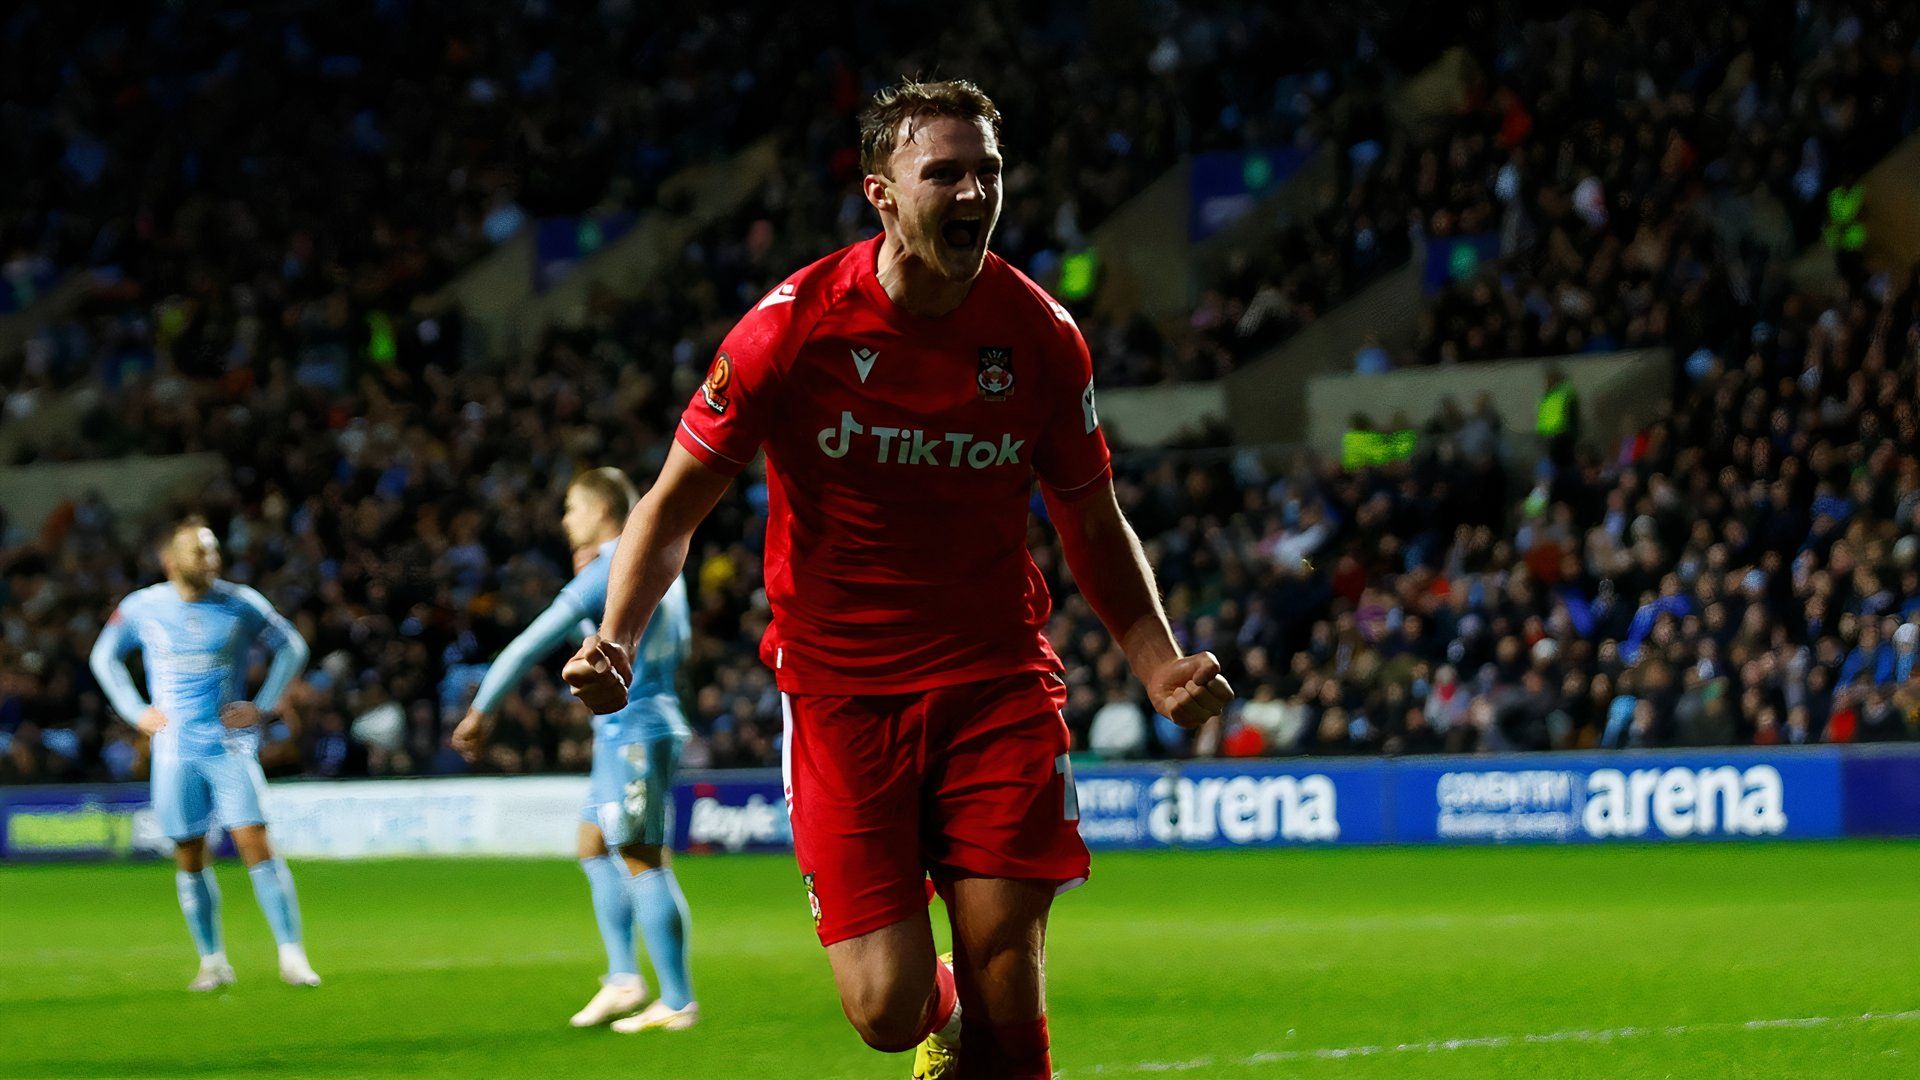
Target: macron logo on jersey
point(785, 294)
point(863, 359)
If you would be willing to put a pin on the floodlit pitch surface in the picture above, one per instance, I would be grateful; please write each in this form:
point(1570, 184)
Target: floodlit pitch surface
point(1760, 960)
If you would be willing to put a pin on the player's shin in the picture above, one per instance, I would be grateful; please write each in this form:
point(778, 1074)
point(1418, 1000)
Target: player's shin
point(273, 889)
point(661, 910)
point(200, 903)
point(613, 911)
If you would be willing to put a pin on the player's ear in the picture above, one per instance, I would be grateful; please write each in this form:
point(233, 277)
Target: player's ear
point(879, 192)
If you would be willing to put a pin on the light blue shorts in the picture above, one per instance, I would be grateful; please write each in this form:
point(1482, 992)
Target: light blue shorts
point(630, 791)
point(190, 793)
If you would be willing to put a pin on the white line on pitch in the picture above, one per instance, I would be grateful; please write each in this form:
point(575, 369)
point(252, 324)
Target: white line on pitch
point(1435, 1046)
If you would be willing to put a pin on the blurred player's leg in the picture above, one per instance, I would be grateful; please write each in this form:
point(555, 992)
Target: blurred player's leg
point(273, 890)
point(666, 924)
point(239, 795)
point(999, 950)
point(622, 990)
point(658, 904)
point(183, 801)
point(200, 902)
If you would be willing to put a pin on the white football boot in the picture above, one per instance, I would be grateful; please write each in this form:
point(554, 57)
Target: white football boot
point(660, 1017)
point(618, 996)
point(294, 968)
point(215, 973)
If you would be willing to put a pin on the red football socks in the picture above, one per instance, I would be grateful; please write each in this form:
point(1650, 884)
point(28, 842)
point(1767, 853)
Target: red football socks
point(940, 1004)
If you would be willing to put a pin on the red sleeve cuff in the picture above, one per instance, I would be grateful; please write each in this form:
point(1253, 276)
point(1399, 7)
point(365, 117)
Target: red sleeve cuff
point(711, 458)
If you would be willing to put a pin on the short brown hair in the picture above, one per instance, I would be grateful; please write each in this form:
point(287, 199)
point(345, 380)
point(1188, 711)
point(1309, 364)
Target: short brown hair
point(612, 488)
point(908, 99)
point(192, 522)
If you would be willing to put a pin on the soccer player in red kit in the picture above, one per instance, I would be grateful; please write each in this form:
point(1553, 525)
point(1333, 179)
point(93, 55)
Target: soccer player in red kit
point(906, 391)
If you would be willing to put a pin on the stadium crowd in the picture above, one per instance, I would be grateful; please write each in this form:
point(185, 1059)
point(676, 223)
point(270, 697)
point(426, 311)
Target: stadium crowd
point(1629, 182)
point(406, 140)
point(1745, 569)
point(401, 505)
point(1647, 176)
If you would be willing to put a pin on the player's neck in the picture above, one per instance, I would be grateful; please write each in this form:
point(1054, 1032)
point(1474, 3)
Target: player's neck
point(915, 287)
point(189, 593)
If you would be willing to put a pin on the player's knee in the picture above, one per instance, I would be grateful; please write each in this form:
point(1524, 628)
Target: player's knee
point(1004, 948)
point(251, 843)
point(191, 855)
point(887, 1012)
point(643, 857)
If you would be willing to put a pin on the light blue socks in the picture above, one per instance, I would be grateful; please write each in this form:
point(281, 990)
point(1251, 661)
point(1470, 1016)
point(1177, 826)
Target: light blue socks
point(613, 910)
point(665, 925)
point(200, 903)
point(273, 888)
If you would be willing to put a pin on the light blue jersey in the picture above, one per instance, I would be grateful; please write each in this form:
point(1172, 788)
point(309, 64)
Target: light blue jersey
point(636, 751)
point(196, 657)
point(195, 654)
point(653, 703)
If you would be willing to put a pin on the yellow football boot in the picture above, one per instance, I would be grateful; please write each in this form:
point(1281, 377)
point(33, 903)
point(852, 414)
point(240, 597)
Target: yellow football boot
point(936, 1058)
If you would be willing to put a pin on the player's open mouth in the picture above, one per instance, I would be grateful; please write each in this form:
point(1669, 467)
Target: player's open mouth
point(962, 233)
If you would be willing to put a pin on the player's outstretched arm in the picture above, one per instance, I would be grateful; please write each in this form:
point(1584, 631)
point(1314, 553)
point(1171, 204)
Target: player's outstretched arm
point(652, 552)
point(1111, 569)
point(547, 631)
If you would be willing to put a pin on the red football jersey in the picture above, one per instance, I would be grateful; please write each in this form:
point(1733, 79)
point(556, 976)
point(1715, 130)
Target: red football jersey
point(901, 452)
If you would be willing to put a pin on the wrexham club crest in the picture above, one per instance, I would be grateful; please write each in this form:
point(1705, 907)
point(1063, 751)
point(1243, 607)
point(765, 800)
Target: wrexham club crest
point(996, 372)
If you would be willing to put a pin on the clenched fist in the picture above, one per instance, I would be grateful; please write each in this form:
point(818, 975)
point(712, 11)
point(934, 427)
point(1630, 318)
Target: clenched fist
point(599, 675)
point(470, 737)
point(1190, 690)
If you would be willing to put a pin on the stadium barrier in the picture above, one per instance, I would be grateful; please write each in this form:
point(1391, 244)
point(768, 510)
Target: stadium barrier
point(1728, 795)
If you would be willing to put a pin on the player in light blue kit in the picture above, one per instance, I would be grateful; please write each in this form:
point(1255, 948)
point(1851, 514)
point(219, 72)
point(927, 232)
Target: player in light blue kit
point(195, 634)
point(635, 754)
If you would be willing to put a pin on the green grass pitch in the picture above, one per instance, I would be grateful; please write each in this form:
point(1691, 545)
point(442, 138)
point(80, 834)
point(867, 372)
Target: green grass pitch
point(1764, 960)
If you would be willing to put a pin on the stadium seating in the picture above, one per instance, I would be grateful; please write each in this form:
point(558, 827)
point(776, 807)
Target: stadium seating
point(1741, 570)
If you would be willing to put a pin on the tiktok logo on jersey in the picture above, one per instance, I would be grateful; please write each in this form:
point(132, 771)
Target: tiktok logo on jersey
point(911, 446)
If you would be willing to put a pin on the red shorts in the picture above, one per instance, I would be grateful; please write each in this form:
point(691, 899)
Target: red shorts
point(958, 781)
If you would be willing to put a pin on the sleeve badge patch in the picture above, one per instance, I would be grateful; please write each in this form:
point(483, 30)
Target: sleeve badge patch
point(719, 380)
